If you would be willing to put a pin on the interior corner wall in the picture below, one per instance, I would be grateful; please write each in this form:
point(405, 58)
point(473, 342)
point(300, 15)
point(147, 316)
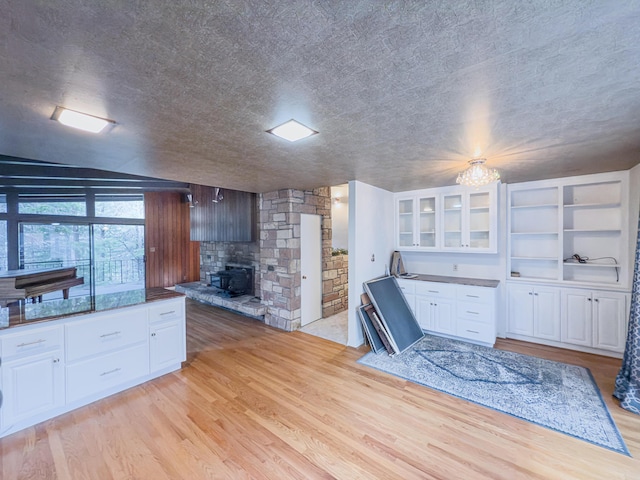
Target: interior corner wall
point(371, 241)
point(280, 249)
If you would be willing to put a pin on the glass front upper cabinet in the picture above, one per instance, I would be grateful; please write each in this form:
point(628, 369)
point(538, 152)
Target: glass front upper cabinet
point(452, 216)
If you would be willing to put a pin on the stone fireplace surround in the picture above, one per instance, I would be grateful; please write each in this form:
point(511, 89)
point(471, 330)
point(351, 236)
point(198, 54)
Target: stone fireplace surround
point(275, 256)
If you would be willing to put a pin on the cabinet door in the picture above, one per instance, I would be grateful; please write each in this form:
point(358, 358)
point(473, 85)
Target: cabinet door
point(31, 386)
point(405, 223)
point(427, 222)
point(443, 319)
point(546, 310)
point(577, 317)
point(424, 307)
point(481, 222)
point(452, 222)
point(166, 345)
point(520, 308)
point(609, 321)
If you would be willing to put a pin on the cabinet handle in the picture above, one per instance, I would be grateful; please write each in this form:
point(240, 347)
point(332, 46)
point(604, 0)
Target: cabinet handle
point(171, 312)
point(153, 334)
point(110, 372)
point(596, 300)
point(31, 343)
point(56, 360)
point(110, 334)
point(530, 293)
point(433, 291)
point(589, 299)
point(472, 331)
point(473, 296)
point(536, 294)
point(475, 313)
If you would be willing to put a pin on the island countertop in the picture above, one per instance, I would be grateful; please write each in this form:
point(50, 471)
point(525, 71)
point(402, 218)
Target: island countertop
point(25, 313)
point(476, 282)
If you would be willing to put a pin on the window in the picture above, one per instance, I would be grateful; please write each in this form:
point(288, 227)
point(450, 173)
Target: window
point(61, 205)
point(3, 203)
point(120, 206)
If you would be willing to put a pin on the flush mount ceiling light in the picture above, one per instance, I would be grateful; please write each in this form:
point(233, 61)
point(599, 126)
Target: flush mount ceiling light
point(292, 131)
point(81, 121)
point(478, 174)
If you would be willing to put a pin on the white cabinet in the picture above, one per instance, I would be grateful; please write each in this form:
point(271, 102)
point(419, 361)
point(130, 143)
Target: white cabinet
point(461, 311)
point(447, 219)
point(475, 312)
point(469, 220)
point(572, 231)
point(534, 311)
point(594, 319)
point(52, 367)
point(417, 222)
point(167, 345)
point(32, 374)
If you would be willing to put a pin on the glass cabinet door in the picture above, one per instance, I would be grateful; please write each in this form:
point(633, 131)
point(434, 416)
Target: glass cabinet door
point(406, 222)
point(479, 220)
point(452, 221)
point(427, 212)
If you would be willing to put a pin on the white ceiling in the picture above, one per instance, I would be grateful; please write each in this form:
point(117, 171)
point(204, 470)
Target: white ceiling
point(402, 93)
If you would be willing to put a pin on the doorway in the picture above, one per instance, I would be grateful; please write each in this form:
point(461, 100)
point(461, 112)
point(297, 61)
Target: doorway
point(310, 268)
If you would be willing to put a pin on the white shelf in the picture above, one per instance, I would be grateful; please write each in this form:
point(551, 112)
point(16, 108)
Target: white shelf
point(542, 205)
point(534, 233)
point(536, 259)
point(592, 205)
point(405, 214)
point(597, 265)
point(580, 230)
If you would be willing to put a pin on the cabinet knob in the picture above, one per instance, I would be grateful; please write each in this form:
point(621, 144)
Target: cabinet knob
point(153, 334)
point(304, 277)
point(530, 293)
point(596, 300)
point(589, 299)
point(56, 360)
point(536, 294)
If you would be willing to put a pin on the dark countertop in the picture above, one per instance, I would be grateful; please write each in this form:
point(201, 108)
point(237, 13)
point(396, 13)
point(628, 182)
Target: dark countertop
point(26, 313)
point(476, 282)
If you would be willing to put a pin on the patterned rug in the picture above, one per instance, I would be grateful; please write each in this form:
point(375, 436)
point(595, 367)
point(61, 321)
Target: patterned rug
point(555, 395)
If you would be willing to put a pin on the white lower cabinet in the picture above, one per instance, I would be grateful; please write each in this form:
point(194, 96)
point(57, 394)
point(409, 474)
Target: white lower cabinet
point(31, 386)
point(534, 311)
point(53, 367)
point(582, 319)
point(454, 310)
point(594, 319)
point(32, 373)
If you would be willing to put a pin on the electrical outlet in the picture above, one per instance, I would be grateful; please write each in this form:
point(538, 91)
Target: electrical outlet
point(455, 267)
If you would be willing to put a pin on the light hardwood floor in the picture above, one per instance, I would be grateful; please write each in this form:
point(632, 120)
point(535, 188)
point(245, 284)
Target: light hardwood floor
point(255, 402)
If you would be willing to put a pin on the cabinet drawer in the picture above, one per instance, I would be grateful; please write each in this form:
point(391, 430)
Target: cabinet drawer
point(408, 287)
point(166, 311)
point(477, 331)
point(441, 290)
point(31, 342)
point(478, 312)
point(95, 375)
point(104, 333)
point(467, 293)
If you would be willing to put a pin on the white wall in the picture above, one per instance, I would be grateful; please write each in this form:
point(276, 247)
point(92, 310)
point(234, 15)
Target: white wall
point(371, 239)
point(340, 224)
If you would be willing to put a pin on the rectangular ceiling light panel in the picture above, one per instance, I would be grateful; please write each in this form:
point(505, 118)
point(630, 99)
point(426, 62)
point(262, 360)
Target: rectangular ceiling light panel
point(81, 121)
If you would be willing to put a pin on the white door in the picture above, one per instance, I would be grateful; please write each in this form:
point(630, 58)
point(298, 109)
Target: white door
point(577, 317)
point(546, 309)
point(609, 321)
point(520, 301)
point(310, 268)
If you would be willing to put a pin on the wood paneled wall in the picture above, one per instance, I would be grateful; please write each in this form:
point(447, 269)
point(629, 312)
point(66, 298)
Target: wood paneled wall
point(171, 256)
point(231, 220)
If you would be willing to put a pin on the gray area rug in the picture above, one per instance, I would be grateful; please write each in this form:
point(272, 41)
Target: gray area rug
point(555, 395)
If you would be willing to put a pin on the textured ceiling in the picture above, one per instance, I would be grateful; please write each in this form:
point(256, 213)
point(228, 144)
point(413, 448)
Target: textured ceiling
point(402, 93)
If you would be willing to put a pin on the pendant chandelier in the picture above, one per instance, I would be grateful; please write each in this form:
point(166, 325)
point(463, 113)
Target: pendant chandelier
point(477, 174)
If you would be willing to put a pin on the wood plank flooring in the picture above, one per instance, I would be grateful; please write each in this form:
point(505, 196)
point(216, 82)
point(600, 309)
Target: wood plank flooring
point(255, 402)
